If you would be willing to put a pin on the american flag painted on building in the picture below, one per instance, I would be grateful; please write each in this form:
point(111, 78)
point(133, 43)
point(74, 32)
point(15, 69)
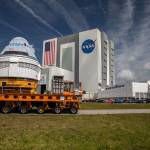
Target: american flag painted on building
point(50, 49)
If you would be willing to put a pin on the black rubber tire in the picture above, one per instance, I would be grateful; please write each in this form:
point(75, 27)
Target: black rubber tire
point(57, 110)
point(40, 110)
point(73, 110)
point(6, 109)
point(23, 109)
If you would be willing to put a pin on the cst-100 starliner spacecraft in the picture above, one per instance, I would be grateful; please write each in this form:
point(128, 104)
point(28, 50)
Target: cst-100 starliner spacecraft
point(19, 67)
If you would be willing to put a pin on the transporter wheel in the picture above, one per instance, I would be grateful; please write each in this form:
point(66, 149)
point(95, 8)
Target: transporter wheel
point(57, 110)
point(6, 108)
point(40, 110)
point(23, 109)
point(73, 110)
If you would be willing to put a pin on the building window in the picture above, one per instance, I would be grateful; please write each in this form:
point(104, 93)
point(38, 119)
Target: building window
point(16, 53)
point(105, 48)
point(4, 64)
point(105, 54)
point(105, 42)
point(67, 56)
point(29, 66)
point(145, 95)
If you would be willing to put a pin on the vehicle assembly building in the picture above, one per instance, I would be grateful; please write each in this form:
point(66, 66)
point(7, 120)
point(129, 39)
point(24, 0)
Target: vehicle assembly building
point(86, 57)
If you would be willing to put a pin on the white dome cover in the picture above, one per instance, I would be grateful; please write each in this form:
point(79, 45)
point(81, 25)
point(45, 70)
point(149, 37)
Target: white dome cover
point(19, 40)
point(18, 60)
point(20, 44)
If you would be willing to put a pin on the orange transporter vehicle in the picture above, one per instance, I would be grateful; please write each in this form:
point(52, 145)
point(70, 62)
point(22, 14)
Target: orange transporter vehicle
point(20, 73)
point(18, 96)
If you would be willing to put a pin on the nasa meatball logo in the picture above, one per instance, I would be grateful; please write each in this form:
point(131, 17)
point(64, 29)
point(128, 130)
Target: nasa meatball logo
point(88, 46)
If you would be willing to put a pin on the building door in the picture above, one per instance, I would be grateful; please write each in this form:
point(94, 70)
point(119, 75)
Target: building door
point(43, 88)
point(67, 56)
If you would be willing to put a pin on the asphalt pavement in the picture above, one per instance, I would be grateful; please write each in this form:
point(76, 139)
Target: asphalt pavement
point(93, 112)
point(113, 111)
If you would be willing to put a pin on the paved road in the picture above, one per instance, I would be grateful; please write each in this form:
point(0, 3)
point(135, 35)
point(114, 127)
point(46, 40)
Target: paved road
point(93, 112)
point(113, 111)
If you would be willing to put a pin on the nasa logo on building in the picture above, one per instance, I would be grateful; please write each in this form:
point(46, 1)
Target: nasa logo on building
point(88, 46)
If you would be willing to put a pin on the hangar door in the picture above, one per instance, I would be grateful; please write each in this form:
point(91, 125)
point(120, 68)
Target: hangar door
point(67, 56)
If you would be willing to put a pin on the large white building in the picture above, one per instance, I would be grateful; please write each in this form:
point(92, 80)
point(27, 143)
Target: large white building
point(137, 90)
point(86, 57)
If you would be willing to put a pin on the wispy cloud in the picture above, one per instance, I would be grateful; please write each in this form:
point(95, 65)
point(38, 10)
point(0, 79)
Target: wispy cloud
point(101, 7)
point(120, 18)
point(126, 74)
point(122, 23)
point(35, 15)
point(72, 15)
point(132, 37)
point(10, 26)
point(63, 12)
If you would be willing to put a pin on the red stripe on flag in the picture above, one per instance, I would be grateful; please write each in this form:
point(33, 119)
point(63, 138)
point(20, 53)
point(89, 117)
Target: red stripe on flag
point(51, 52)
point(54, 53)
point(47, 60)
point(50, 55)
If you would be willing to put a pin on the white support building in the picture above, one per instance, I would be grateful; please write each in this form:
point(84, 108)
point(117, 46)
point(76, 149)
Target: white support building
point(47, 75)
point(131, 90)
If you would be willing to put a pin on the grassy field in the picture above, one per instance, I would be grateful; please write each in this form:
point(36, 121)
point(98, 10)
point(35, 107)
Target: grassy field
point(100, 132)
point(113, 106)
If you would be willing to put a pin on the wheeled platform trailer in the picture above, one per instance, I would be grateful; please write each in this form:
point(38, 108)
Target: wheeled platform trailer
point(41, 103)
point(63, 96)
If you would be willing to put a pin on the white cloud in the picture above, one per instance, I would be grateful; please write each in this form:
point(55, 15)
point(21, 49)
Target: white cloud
point(147, 66)
point(126, 75)
point(73, 17)
point(30, 10)
point(132, 35)
point(47, 11)
point(121, 16)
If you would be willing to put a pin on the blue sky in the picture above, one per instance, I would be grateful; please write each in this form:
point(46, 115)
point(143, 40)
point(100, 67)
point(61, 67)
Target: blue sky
point(127, 22)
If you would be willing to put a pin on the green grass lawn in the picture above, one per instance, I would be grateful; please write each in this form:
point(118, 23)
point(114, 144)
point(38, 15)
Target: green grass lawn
point(72, 132)
point(113, 106)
